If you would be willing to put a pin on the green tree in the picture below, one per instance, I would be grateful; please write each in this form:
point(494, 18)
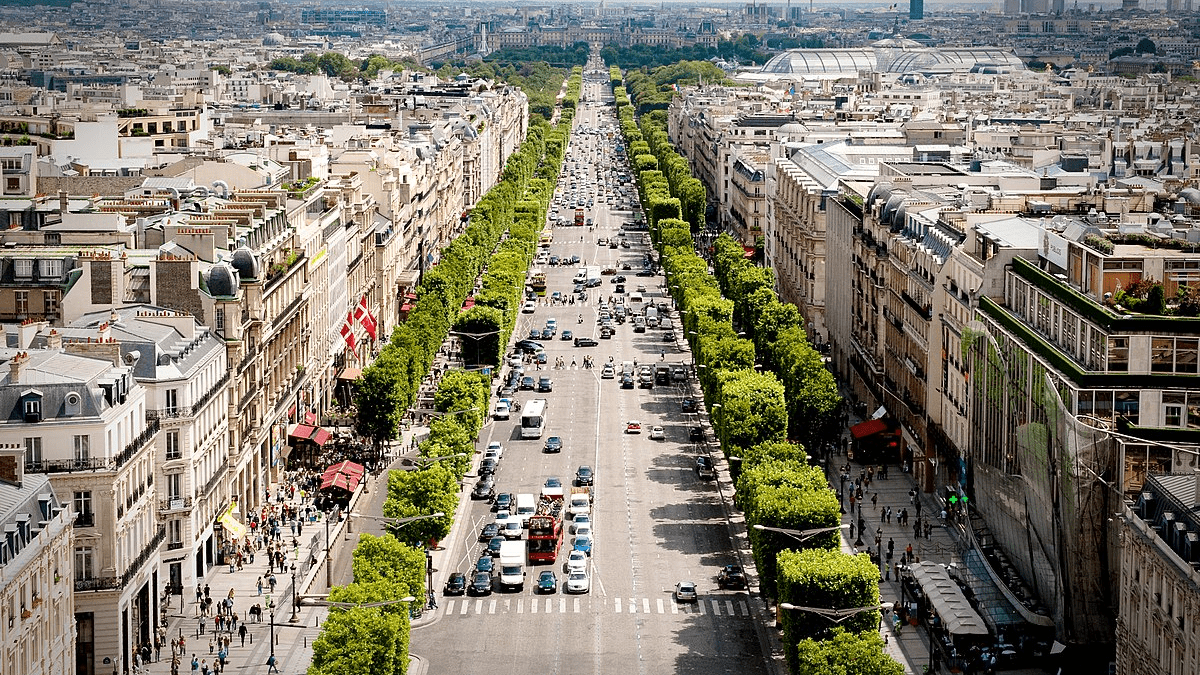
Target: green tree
point(421, 493)
point(845, 653)
point(361, 640)
point(379, 397)
point(388, 559)
point(479, 332)
point(825, 579)
point(752, 410)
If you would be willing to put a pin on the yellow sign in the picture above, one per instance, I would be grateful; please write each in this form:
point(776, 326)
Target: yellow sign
point(231, 524)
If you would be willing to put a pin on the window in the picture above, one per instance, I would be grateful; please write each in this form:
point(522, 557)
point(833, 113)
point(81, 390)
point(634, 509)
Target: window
point(23, 267)
point(175, 531)
point(84, 562)
point(72, 403)
point(51, 269)
point(50, 302)
point(33, 448)
point(174, 486)
point(12, 185)
point(1118, 354)
point(173, 445)
point(21, 299)
point(83, 448)
point(33, 408)
point(172, 397)
point(83, 502)
point(1173, 415)
point(219, 320)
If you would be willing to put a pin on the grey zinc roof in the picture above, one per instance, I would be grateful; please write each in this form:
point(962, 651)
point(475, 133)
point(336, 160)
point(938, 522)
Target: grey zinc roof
point(54, 375)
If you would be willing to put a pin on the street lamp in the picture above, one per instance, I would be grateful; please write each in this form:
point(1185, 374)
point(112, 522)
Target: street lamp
point(801, 535)
point(835, 615)
point(430, 460)
point(351, 605)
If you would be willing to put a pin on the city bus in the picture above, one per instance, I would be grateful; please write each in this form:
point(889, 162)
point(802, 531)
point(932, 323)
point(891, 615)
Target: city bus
point(533, 418)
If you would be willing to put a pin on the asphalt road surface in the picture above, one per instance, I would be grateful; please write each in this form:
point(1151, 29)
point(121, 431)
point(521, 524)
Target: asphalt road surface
point(655, 522)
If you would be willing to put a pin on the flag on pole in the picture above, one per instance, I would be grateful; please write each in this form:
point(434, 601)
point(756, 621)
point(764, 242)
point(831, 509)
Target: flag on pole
point(348, 331)
point(362, 314)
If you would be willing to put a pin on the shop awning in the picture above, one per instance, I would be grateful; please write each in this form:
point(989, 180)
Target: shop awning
point(350, 374)
point(345, 475)
point(310, 418)
point(405, 307)
point(947, 599)
point(869, 428)
point(470, 302)
point(320, 436)
point(747, 251)
point(305, 432)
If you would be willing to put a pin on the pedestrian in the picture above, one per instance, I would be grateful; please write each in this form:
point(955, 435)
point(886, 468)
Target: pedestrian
point(157, 650)
point(204, 667)
point(851, 503)
point(206, 590)
point(908, 554)
point(883, 514)
point(874, 500)
point(195, 664)
point(271, 668)
point(891, 547)
point(889, 515)
point(210, 645)
point(928, 529)
point(242, 633)
point(259, 584)
point(201, 621)
point(917, 529)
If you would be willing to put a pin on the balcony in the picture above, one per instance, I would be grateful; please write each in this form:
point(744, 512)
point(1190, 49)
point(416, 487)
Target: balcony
point(182, 411)
point(174, 504)
point(174, 545)
point(138, 443)
point(97, 584)
point(67, 465)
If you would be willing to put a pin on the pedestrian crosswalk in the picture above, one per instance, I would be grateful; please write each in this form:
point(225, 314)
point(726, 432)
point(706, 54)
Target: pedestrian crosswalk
point(459, 607)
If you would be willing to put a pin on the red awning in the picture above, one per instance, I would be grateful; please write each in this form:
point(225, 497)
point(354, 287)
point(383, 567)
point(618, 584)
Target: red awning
point(747, 251)
point(350, 374)
point(320, 436)
point(469, 303)
point(310, 418)
point(405, 307)
point(345, 475)
point(302, 431)
point(868, 428)
point(410, 296)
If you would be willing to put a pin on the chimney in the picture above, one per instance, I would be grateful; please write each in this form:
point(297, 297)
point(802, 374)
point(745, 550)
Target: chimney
point(16, 367)
point(63, 204)
point(54, 340)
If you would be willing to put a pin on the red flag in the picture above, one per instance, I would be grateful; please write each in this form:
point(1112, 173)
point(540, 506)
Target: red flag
point(363, 314)
point(348, 331)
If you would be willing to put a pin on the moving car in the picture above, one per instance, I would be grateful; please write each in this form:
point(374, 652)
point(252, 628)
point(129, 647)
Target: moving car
point(577, 561)
point(493, 547)
point(685, 591)
point(512, 529)
point(529, 307)
point(554, 444)
point(485, 563)
point(547, 334)
point(488, 531)
point(578, 582)
point(456, 584)
point(481, 584)
point(527, 382)
point(579, 521)
point(731, 576)
point(545, 384)
point(497, 447)
point(608, 372)
point(586, 342)
point(530, 346)
point(547, 582)
point(582, 543)
point(567, 335)
point(584, 475)
point(503, 502)
point(657, 434)
point(627, 381)
point(633, 427)
point(705, 469)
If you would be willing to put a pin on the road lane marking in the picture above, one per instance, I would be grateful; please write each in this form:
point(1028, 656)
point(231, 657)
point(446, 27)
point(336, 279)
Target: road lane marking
point(716, 606)
point(507, 605)
point(576, 605)
point(633, 605)
point(674, 607)
point(562, 605)
point(520, 606)
point(660, 605)
point(492, 607)
point(745, 608)
point(617, 605)
point(533, 605)
point(700, 606)
point(478, 606)
point(646, 605)
point(449, 607)
point(729, 607)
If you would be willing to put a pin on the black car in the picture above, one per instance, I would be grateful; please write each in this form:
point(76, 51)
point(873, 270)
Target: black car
point(574, 260)
point(696, 435)
point(504, 500)
point(553, 260)
point(530, 346)
point(547, 582)
point(493, 547)
point(731, 576)
point(485, 563)
point(456, 584)
point(535, 334)
point(554, 444)
point(481, 584)
point(690, 405)
point(584, 475)
point(488, 531)
point(547, 334)
point(620, 288)
point(645, 272)
point(619, 279)
point(705, 469)
point(545, 384)
point(627, 381)
point(527, 382)
point(586, 342)
point(484, 489)
point(488, 468)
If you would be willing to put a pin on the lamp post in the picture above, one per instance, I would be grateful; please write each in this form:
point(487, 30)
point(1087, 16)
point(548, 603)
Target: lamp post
point(295, 597)
point(271, 609)
point(351, 605)
point(801, 535)
point(426, 461)
point(835, 615)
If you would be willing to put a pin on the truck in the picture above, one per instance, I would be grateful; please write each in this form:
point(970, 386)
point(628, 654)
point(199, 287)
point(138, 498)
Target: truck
point(581, 501)
point(651, 316)
point(545, 530)
point(525, 508)
point(593, 276)
point(512, 564)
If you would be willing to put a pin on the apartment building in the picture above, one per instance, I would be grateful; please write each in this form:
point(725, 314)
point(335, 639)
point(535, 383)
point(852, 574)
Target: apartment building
point(1159, 584)
point(37, 611)
point(83, 422)
point(182, 366)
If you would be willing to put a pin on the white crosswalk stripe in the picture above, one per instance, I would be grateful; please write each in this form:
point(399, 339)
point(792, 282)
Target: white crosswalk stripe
point(579, 604)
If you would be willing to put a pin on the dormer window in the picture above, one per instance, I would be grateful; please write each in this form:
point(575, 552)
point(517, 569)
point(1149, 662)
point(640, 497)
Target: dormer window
point(23, 268)
point(72, 402)
point(51, 269)
point(31, 405)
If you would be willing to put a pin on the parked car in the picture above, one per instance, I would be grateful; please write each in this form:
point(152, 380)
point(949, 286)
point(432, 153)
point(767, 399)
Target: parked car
point(690, 405)
point(696, 435)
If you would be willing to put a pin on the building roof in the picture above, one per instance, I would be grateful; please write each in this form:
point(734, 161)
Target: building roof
point(887, 56)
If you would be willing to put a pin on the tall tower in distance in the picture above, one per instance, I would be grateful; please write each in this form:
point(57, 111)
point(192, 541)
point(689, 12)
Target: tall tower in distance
point(916, 9)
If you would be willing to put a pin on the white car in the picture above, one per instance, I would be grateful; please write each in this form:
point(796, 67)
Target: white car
point(512, 528)
point(582, 529)
point(608, 372)
point(503, 411)
point(578, 582)
point(657, 434)
point(502, 518)
point(577, 562)
point(685, 591)
point(580, 521)
point(496, 446)
point(530, 307)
